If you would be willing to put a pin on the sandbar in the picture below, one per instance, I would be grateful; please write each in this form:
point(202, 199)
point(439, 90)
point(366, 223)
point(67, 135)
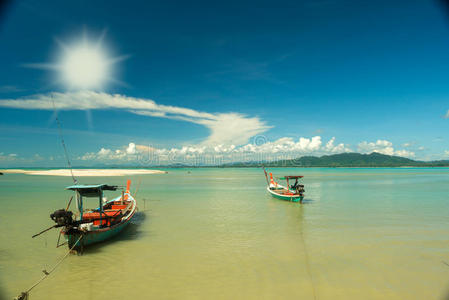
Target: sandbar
point(84, 172)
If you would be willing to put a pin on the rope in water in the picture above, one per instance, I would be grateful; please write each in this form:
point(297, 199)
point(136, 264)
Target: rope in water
point(62, 141)
point(25, 295)
point(137, 189)
point(309, 272)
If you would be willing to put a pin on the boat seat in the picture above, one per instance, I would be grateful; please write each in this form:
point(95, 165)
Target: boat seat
point(95, 216)
point(120, 202)
point(114, 206)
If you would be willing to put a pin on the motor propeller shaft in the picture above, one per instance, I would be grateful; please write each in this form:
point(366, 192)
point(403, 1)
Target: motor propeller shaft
point(45, 230)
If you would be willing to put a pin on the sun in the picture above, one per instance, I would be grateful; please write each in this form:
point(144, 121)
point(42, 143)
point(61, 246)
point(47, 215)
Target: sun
point(83, 64)
point(85, 67)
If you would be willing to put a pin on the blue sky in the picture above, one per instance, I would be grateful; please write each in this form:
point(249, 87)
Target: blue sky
point(199, 78)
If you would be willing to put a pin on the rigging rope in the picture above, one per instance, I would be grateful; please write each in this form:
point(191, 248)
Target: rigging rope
point(62, 141)
point(25, 295)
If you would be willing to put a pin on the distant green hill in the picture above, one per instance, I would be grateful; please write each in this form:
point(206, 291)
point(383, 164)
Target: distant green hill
point(347, 160)
point(337, 160)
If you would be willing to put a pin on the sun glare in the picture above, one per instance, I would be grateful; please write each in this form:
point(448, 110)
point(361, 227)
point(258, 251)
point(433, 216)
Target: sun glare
point(83, 64)
point(84, 67)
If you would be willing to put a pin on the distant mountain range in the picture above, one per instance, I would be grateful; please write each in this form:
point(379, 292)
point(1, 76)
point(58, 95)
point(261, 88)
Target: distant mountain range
point(347, 160)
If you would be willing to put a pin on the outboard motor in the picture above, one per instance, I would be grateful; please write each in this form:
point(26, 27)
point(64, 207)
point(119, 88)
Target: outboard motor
point(62, 217)
point(301, 189)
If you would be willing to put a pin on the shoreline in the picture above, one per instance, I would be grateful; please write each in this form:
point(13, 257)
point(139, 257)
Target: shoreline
point(84, 172)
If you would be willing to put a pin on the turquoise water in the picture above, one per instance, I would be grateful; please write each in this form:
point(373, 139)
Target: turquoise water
point(217, 234)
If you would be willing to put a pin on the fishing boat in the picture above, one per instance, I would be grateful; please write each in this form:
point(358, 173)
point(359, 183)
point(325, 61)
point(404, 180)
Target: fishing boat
point(90, 226)
point(293, 193)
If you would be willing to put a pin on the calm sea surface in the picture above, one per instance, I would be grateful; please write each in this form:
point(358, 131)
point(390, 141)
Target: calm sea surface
point(217, 234)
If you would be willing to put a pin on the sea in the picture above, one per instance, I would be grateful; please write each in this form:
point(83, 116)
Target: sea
point(216, 233)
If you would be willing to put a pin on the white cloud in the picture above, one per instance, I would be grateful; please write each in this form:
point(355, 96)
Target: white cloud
point(283, 148)
point(383, 147)
point(104, 152)
point(286, 144)
point(224, 149)
point(404, 153)
point(446, 153)
point(8, 157)
point(340, 148)
point(131, 148)
point(446, 116)
point(229, 132)
point(225, 128)
point(380, 146)
point(233, 128)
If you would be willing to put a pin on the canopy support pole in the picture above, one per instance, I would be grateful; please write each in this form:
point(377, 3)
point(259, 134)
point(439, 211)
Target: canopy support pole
point(101, 205)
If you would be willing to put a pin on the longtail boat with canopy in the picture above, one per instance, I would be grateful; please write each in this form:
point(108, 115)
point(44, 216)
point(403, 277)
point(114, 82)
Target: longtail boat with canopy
point(89, 226)
point(294, 192)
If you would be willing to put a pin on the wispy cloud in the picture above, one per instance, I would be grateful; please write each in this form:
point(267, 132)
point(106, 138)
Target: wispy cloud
point(8, 157)
point(250, 70)
point(10, 89)
point(446, 116)
point(225, 128)
point(408, 144)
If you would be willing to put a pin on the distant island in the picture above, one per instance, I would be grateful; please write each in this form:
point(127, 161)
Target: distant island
point(343, 160)
point(346, 160)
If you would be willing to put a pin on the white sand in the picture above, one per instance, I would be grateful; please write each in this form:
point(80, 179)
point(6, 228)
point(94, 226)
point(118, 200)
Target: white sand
point(85, 172)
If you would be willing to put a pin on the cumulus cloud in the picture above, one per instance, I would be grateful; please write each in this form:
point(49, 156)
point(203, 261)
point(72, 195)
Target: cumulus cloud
point(383, 147)
point(332, 148)
point(131, 148)
point(104, 152)
point(380, 146)
point(285, 144)
point(225, 128)
point(446, 116)
point(283, 148)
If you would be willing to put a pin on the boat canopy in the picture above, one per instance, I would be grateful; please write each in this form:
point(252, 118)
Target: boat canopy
point(94, 190)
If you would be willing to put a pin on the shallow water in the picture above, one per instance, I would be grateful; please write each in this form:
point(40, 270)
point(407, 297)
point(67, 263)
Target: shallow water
point(217, 234)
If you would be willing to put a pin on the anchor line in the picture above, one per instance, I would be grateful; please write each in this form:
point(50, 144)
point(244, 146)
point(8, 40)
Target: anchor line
point(309, 272)
point(62, 141)
point(137, 189)
point(25, 295)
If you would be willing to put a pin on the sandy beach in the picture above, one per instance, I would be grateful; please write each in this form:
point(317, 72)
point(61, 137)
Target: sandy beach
point(84, 172)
